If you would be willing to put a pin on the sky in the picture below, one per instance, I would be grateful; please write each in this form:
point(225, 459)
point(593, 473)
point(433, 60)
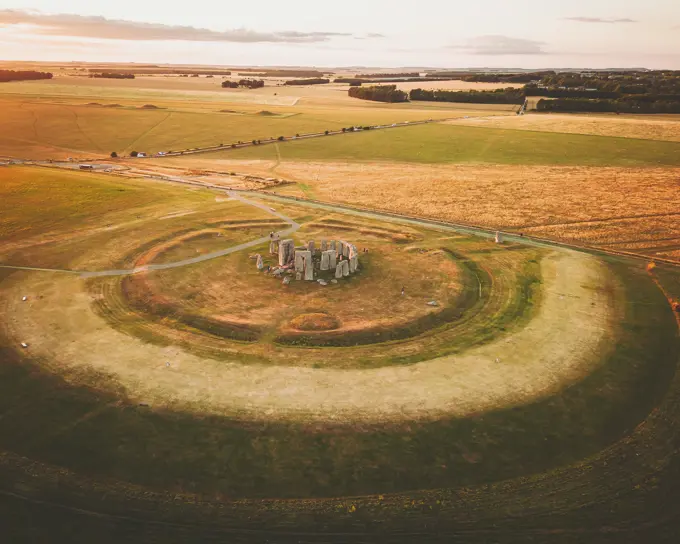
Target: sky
point(371, 33)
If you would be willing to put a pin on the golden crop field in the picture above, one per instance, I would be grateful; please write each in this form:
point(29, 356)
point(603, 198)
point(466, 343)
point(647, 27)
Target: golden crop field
point(647, 127)
point(609, 207)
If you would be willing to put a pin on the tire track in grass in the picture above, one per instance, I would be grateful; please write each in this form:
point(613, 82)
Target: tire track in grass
point(147, 132)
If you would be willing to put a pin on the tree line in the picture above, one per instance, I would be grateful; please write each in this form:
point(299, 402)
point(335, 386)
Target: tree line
point(22, 75)
point(570, 105)
point(247, 83)
point(313, 81)
point(279, 73)
point(112, 75)
point(383, 76)
point(379, 93)
point(498, 96)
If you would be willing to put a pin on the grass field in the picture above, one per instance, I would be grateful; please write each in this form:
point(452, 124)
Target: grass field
point(538, 401)
point(75, 125)
point(645, 127)
point(457, 144)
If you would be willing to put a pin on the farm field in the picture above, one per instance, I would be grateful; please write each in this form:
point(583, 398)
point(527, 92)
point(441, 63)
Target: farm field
point(438, 143)
point(148, 379)
point(645, 127)
point(157, 384)
point(95, 126)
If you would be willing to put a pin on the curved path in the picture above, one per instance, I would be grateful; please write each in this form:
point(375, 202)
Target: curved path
point(177, 264)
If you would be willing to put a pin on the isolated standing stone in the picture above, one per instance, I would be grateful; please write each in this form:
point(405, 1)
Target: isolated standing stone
point(345, 268)
point(325, 260)
point(260, 262)
point(499, 237)
point(338, 271)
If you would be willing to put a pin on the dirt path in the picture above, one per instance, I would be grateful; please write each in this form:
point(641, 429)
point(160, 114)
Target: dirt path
point(185, 262)
point(561, 345)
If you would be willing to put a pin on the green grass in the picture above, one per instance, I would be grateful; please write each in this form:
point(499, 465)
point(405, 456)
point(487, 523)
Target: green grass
point(32, 129)
point(458, 144)
point(38, 200)
point(181, 452)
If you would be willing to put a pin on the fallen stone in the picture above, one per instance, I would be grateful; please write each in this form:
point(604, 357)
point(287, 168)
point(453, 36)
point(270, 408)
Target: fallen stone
point(334, 281)
point(322, 282)
point(286, 280)
point(433, 303)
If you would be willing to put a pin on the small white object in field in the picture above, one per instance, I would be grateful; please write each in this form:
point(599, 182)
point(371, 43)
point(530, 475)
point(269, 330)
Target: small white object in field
point(24, 299)
point(272, 209)
point(24, 345)
point(433, 303)
point(167, 363)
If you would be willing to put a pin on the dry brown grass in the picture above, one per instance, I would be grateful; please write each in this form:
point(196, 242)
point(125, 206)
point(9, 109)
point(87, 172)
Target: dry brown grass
point(665, 127)
point(598, 206)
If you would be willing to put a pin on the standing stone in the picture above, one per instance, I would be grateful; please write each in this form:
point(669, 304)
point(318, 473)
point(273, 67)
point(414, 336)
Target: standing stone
point(310, 246)
point(325, 260)
point(286, 252)
point(273, 247)
point(308, 265)
point(299, 260)
point(353, 261)
point(345, 268)
point(345, 250)
point(333, 245)
point(339, 248)
point(324, 245)
point(499, 237)
point(260, 262)
point(338, 271)
point(353, 251)
point(332, 259)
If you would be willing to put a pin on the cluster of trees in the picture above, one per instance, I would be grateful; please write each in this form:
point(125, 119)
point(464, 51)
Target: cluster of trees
point(354, 80)
point(112, 75)
point(555, 92)
point(22, 75)
point(248, 83)
point(281, 73)
point(568, 105)
point(313, 81)
point(379, 93)
point(379, 76)
point(499, 96)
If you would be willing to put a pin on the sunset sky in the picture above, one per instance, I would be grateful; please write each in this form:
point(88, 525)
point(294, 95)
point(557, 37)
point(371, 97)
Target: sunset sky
point(493, 33)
